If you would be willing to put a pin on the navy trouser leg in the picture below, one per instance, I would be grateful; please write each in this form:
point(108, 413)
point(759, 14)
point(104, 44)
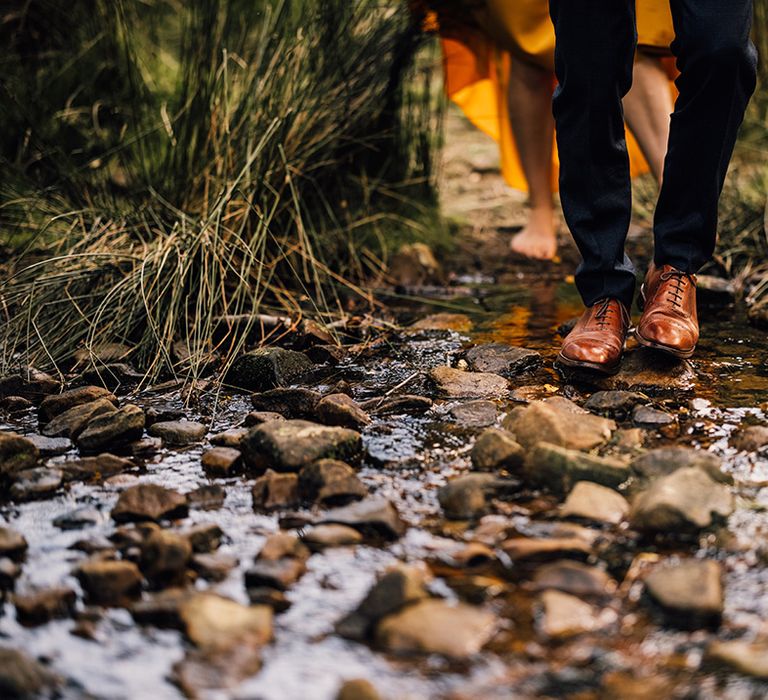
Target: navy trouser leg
point(717, 64)
point(594, 55)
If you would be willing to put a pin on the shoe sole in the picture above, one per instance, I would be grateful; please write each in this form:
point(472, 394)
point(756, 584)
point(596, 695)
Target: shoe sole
point(608, 370)
point(679, 354)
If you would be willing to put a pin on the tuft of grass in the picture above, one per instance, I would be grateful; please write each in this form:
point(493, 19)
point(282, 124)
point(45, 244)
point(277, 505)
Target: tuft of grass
point(177, 171)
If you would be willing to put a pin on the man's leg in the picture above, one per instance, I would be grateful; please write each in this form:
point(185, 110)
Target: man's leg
point(717, 64)
point(593, 61)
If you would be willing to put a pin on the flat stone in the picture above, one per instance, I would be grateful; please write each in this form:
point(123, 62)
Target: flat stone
point(267, 368)
point(149, 502)
point(54, 405)
point(474, 414)
point(16, 454)
point(164, 557)
point(179, 433)
point(749, 658)
point(290, 403)
point(497, 449)
point(691, 591)
point(613, 404)
point(685, 501)
point(467, 496)
point(33, 484)
point(22, 677)
point(221, 461)
point(214, 566)
point(50, 447)
point(323, 536)
point(273, 490)
point(506, 360)
point(232, 437)
point(594, 502)
point(95, 468)
point(79, 518)
point(565, 616)
point(436, 627)
point(341, 410)
point(456, 384)
point(376, 516)
point(575, 578)
point(287, 446)
point(42, 605)
point(750, 439)
point(330, 483)
point(651, 418)
point(461, 323)
point(653, 373)
point(535, 549)
point(12, 544)
point(666, 460)
point(112, 430)
point(559, 469)
point(73, 421)
point(400, 404)
point(558, 421)
point(108, 582)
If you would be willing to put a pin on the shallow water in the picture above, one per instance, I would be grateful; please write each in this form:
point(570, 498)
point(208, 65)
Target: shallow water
point(409, 458)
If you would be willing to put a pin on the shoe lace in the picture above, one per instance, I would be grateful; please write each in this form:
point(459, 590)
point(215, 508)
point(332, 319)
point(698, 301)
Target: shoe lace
point(676, 290)
point(602, 316)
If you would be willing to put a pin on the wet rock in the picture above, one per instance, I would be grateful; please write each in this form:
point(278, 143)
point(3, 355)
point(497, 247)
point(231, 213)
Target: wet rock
point(456, 384)
point(689, 591)
point(358, 689)
point(461, 323)
point(16, 454)
point(221, 461)
point(685, 501)
point(536, 549)
point(326, 354)
point(149, 502)
point(79, 518)
point(163, 414)
point(474, 414)
point(497, 449)
point(750, 439)
point(559, 469)
point(202, 673)
point(179, 433)
point(399, 586)
point(653, 373)
point(273, 490)
point(204, 537)
point(52, 406)
point(259, 417)
point(72, 422)
point(651, 418)
point(112, 430)
point(32, 484)
point(498, 358)
point(290, 403)
point(287, 446)
point(341, 410)
point(558, 421)
point(594, 502)
point(467, 496)
point(15, 404)
point(436, 627)
point(50, 447)
point(415, 265)
point(614, 404)
point(575, 578)
point(330, 483)
point(161, 609)
point(282, 545)
point(373, 516)
point(109, 582)
point(264, 595)
point(666, 460)
point(565, 616)
point(404, 403)
point(21, 677)
point(207, 497)
point(31, 384)
point(213, 566)
point(749, 658)
point(40, 606)
point(164, 557)
point(12, 543)
point(280, 574)
point(232, 437)
point(267, 368)
point(113, 376)
point(323, 536)
point(99, 467)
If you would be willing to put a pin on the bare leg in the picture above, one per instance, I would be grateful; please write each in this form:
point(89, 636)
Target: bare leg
point(530, 111)
point(647, 107)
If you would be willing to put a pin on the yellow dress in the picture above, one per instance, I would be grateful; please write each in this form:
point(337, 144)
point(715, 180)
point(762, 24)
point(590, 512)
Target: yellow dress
point(477, 67)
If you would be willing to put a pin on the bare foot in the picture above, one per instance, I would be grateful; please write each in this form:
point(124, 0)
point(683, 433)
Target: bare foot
point(538, 239)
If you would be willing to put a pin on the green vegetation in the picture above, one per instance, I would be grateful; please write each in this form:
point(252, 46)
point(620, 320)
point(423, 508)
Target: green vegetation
point(173, 168)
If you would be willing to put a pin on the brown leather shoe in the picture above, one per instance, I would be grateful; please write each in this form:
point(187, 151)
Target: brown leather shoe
point(597, 340)
point(669, 322)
